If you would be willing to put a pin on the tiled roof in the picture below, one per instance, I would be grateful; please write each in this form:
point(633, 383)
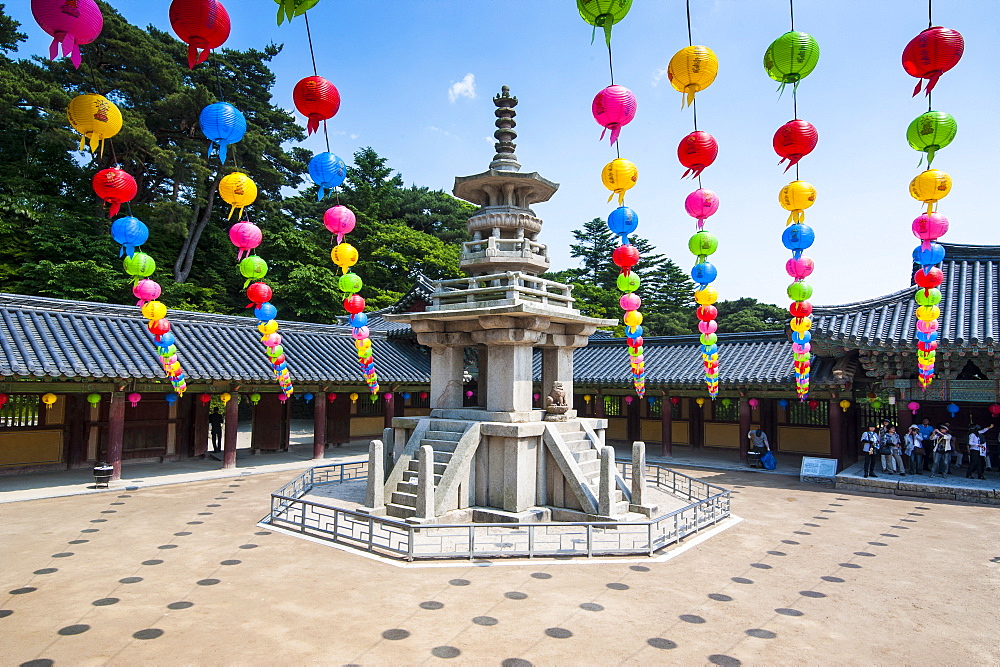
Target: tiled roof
point(52, 337)
point(969, 313)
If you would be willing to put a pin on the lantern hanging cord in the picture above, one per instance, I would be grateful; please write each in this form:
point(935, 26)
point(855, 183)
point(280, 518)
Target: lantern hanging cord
point(930, 13)
point(791, 12)
point(326, 135)
point(687, 8)
point(694, 113)
point(611, 65)
point(310, 38)
point(218, 80)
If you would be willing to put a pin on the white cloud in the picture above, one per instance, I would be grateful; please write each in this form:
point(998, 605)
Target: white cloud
point(464, 88)
point(433, 128)
point(659, 74)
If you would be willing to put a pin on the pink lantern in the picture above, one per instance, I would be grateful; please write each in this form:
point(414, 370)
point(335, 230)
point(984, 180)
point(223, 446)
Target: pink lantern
point(146, 290)
point(360, 333)
point(927, 326)
point(630, 301)
point(708, 327)
point(799, 268)
point(913, 406)
point(536, 396)
point(928, 227)
point(614, 107)
point(282, 397)
point(272, 340)
point(701, 204)
point(246, 236)
point(469, 393)
point(387, 397)
point(753, 403)
point(628, 400)
point(134, 399)
point(70, 22)
point(339, 220)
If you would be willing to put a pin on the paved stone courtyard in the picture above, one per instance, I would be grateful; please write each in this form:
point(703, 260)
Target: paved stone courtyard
point(182, 575)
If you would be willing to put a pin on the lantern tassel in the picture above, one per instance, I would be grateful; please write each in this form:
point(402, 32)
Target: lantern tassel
point(616, 129)
point(792, 161)
point(319, 193)
point(73, 51)
point(115, 207)
point(192, 56)
point(312, 125)
point(222, 152)
point(231, 210)
point(607, 29)
point(83, 142)
point(54, 48)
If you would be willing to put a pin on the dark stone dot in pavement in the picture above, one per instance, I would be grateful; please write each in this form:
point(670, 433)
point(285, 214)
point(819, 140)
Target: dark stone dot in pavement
point(829, 511)
point(812, 594)
point(777, 553)
point(195, 523)
point(125, 495)
point(78, 541)
point(263, 532)
point(432, 604)
point(558, 633)
point(878, 544)
point(39, 662)
point(515, 662)
point(204, 514)
point(459, 582)
point(541, 575)
point(229, 492)
point(615, 586)
point(719, 597)
point(801, 532)
point(907, 521)
point(230, 562)
point(47, 570)
point(117, 503)
point(130, 580)
point(64, 554)
point(811, 525)
point(221, 498)
point(724, 660)
point(248, 546)
point(4, 613)
point(148, 633)
point(515, 595)
point(208, 582)
point(853, 566)
point(105, 520)
point(784, 611)
point(789, 542)
point(691, 618)
point(591, 606)
point(921, 508)
point(914, 514)
point(638, 568)
point(742, 580)
point(485, 620)
point(105, 602)
point(761, 566)
point(833, 580)
point(864, 553)
point(395, 634)
point(835, 505)
point(234, 486)
point(445, 652)
point(152, 561)
point(214, 505)
point(91, 530)
point(660, 642)
point(888, 535)
point(23, 590)
point(180, 605)
point(109, 511)
point(761, 634)
point(183, 533)
point(167, 546)
point(71, 630)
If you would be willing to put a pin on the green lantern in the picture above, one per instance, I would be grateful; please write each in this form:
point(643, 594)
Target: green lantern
point(929, 297)
point(800, 291)
point(255, 398)
point(350, 283)
point(791, 58)
point(291, 8)
point(603, 14)
point(139, 265)
point(629, 283)
point(94, 399)
point(930, 132)
point(877, 404)
point(727, 402)
point(703, 244)
point(253, 268)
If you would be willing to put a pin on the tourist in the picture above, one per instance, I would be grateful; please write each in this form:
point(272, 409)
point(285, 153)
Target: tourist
point(215, 421)
point(758, 445)
point(942, 451)
point(977, 451)
point(884, 448)
point(915, 450)
point(927, 435)
point(892, 450)
point(870, 446)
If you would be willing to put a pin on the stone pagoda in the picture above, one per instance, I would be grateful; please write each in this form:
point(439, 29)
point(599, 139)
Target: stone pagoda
point(501, 460)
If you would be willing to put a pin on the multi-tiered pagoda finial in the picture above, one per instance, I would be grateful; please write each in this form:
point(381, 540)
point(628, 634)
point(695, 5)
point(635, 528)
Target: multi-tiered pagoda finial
point(505, 160)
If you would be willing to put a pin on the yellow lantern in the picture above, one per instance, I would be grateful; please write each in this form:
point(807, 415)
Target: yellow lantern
point(363, 345)
point(801, 324)
point(796, 197)
point(930, 186)
point(237, 190)
point(618, 176)
point(154, 310)
point(353, 397)
point(268, 328)
point(692, 69)
point(706, 296)
point(844, 404)
point(344, 255)
point(700, 401)
point(96, 118)
point(586, 398)
point(928, 313)
point(49, 399)
point(633, 318)
point(225, 398)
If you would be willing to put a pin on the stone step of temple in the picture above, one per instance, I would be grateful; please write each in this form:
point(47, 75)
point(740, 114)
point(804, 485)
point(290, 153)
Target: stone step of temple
point(404, 499)
point(567, 427)
point(589, 454)
point(452, 425)
point(414, 466)
point(410, 477)
point(619, 507)
point(453, 436)
point(591, 467)
point(444, 446)
point(577, 445)
point(400, 511)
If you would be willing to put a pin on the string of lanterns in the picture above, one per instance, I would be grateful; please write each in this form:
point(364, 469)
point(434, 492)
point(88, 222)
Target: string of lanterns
point(927, 56)
point(690, 71)
point(613, 108)
point(789, 59)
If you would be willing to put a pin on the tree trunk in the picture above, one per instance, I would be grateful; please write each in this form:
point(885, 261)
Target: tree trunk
point(182, 267)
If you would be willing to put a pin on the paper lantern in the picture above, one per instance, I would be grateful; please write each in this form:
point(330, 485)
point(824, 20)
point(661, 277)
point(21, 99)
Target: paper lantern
point(701, 204)
point(267, 328)
point(697, 151)
point(134, 399)
point(930, 132)
point(49, 399)
point(225, 398)
point(692, 70)
point(623, 221)
point(96, 118)
point(205, 398)
point(201, 24)
point(700, 401)
point(791, 57)
point(753, 402)
point(327, 171)
point(995, 409)
point(844, 404)
point(307, 397)
point(259, 293)
point(339, 220)
point(794, 140)
point(350, 283)
point(115, 186)
point(282, 398)
point(353, 397)
point(317, 99)
point(928, 278)
point(246, 236)
point(796, 197)
point(952, 409)
point(344, 255)
point(932, 53)
point(618, 176)
point(139, 265)
point(71, 23)
point(222, 124)
point(252, 268)
point(129, 232)
point(154, 310)
point(237, 190)
point(265, 312)
point(930, 186)
point(331, 397)
point(354, 304)
point(614, 108)
point(625, 256)
point(603, 14)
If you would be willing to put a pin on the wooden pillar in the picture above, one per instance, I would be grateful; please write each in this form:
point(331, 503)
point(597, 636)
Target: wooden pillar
point(697, 424)
point(666, 427)
point(836, 431)
point(903, 418)
point(745, 418)
point(200, 428)
point(387, 409)
point(319, 424)
point(116, 433)
point(77, 414)
point(232, 430)
point(769, 421)
point(599, 408)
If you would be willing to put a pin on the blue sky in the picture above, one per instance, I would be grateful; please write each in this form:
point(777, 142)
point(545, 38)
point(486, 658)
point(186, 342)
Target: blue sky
point(395, 63)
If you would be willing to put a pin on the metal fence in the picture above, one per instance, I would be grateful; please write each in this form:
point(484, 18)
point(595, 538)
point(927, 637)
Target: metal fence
point(398, 539)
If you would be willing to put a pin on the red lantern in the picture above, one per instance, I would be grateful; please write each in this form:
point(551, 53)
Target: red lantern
point(929, 279)
point(927, 347)
point(800, 309)
point(317, 99)
point(995, 409)
point(354, 304)
point(205, 398)
point(159, 327)
point(331, 397)
point(634, 342)
point(707, 313)
point(423, 395)
point(813, 404)
point(202, 24)
point(676, 400)
point(794, 140)
point(259, 293)
point(115, 186)
point(3, 400)
point(697, 151)
point(932, 53)
point(625, 256)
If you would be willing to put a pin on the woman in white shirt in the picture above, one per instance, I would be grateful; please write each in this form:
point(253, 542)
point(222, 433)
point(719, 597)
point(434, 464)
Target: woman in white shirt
point(977, 451)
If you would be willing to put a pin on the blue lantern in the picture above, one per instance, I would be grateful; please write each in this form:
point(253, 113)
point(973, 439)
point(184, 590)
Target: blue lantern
point(623, 221)
point(128, 232)
point(929, 257)
point(265, 312)
point(406, 396)
point(327, 172)
point(952, 409)
point(703, 273)
point(783, 403)
point(167, 339)
point(358, 320)
point(170, 398)
point(636, 333)
point(798, 237)
point(308, 397)
point(222, 124)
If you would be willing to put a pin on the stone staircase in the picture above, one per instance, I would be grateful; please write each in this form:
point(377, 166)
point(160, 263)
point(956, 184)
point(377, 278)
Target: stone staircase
point(443, 436)
point(589, 461)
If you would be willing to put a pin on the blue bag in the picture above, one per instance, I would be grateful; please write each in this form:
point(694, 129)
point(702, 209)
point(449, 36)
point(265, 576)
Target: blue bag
point(769, 461)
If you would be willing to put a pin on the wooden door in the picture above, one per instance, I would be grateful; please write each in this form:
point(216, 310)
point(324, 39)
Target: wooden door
point(338, 420)
point(270, 425)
